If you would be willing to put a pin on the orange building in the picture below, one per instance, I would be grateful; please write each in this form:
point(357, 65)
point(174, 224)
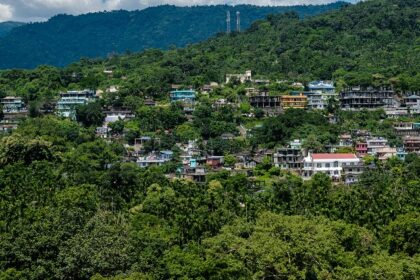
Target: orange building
point(294, 101)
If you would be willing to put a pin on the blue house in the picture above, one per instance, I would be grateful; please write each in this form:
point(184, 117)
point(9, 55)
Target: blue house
point(322, 86)
point(183, 95)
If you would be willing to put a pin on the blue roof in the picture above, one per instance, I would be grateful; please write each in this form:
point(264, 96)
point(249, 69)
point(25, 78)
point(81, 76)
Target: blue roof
point(321, 85)
point(188, 91)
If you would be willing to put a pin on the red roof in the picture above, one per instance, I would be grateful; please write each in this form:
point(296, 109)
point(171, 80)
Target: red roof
point(333, 156)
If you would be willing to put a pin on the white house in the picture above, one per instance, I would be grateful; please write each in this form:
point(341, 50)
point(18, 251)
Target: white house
point(330, 164)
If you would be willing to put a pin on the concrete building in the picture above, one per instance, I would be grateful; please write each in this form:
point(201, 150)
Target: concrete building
point(407, 129)
point(271, 105)
point(66, 106)
point(412, 103)
point(242, 78)
point(290, 157)
point(345, 140)
point(294, 101)
point(351, 172)
point(322, 86)
point(13, 104)
point(264, 101)
point(358, 98)
point(330, 164)
point(183, 96)
point(376, 143)
point(412, 144)
point(386, 153)
point(155, 159)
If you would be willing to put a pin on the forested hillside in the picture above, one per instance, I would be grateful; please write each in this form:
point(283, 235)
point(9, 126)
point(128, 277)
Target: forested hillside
point(77, 205)
point(65, 39)
point(6, 27)
point(372, 43)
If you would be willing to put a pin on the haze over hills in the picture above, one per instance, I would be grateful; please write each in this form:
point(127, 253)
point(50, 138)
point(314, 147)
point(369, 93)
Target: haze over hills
point(7, 26)
point(65, 39)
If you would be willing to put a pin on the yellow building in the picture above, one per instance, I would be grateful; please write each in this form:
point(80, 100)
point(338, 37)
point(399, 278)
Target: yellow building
point(294, 101)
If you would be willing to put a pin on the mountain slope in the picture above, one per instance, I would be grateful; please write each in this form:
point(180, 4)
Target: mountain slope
point(372, 43)
point(7, 26)
point(65, 39)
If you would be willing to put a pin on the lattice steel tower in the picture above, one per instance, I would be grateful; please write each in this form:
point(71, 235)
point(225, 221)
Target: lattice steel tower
point(228, 22)
point(238, 21)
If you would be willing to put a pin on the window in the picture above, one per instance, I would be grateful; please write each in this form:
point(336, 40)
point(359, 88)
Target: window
point(336, 164)
point(319, 165)
point(327, 165)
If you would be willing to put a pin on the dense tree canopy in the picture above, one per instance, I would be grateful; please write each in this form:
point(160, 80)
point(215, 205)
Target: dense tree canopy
point(77, 206)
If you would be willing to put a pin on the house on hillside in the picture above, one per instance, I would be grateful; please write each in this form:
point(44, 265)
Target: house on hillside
point(294, 101)
point(66, 106)
point(358, 98)
point(186, 97)
point(13, 104)
point(330, 164)
point(242, 78)
point(290, 157)
point(155, 159)
point(376, 143)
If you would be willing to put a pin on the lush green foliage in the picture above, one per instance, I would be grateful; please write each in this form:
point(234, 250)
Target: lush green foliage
point(72, 210)
point(374, 43)
point(65, 39)
point(71, 207)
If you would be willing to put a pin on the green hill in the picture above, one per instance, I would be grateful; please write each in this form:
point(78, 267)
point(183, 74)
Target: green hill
point(371, 43)
point(7, 26)
point(65, 39)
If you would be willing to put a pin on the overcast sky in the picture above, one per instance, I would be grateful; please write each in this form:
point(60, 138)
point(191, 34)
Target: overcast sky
point(37, 10)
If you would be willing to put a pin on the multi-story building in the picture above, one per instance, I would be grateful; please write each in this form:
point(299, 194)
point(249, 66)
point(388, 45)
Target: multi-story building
point(351, 172)
point(66, 106)
point(407, 129)
point(386, 153)
point(412, 144)
point(396, 113)
point(243, 78)
point(358, 98)
point(319, 94)
point(412, 103)
point(345, 140)
point(12, 104)
point(376, 143)
point(155, 159)
point(183, 95)
point(315, 101)
point(186, 97)
point(322, 86)
point(294, 101)
point(264, 101)
point(193, 172)
point(290, 158)
point(361, 149)
point(330, 164)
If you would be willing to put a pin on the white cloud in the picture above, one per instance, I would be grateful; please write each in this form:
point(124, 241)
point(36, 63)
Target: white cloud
point(33, 10)
point(6, 12)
